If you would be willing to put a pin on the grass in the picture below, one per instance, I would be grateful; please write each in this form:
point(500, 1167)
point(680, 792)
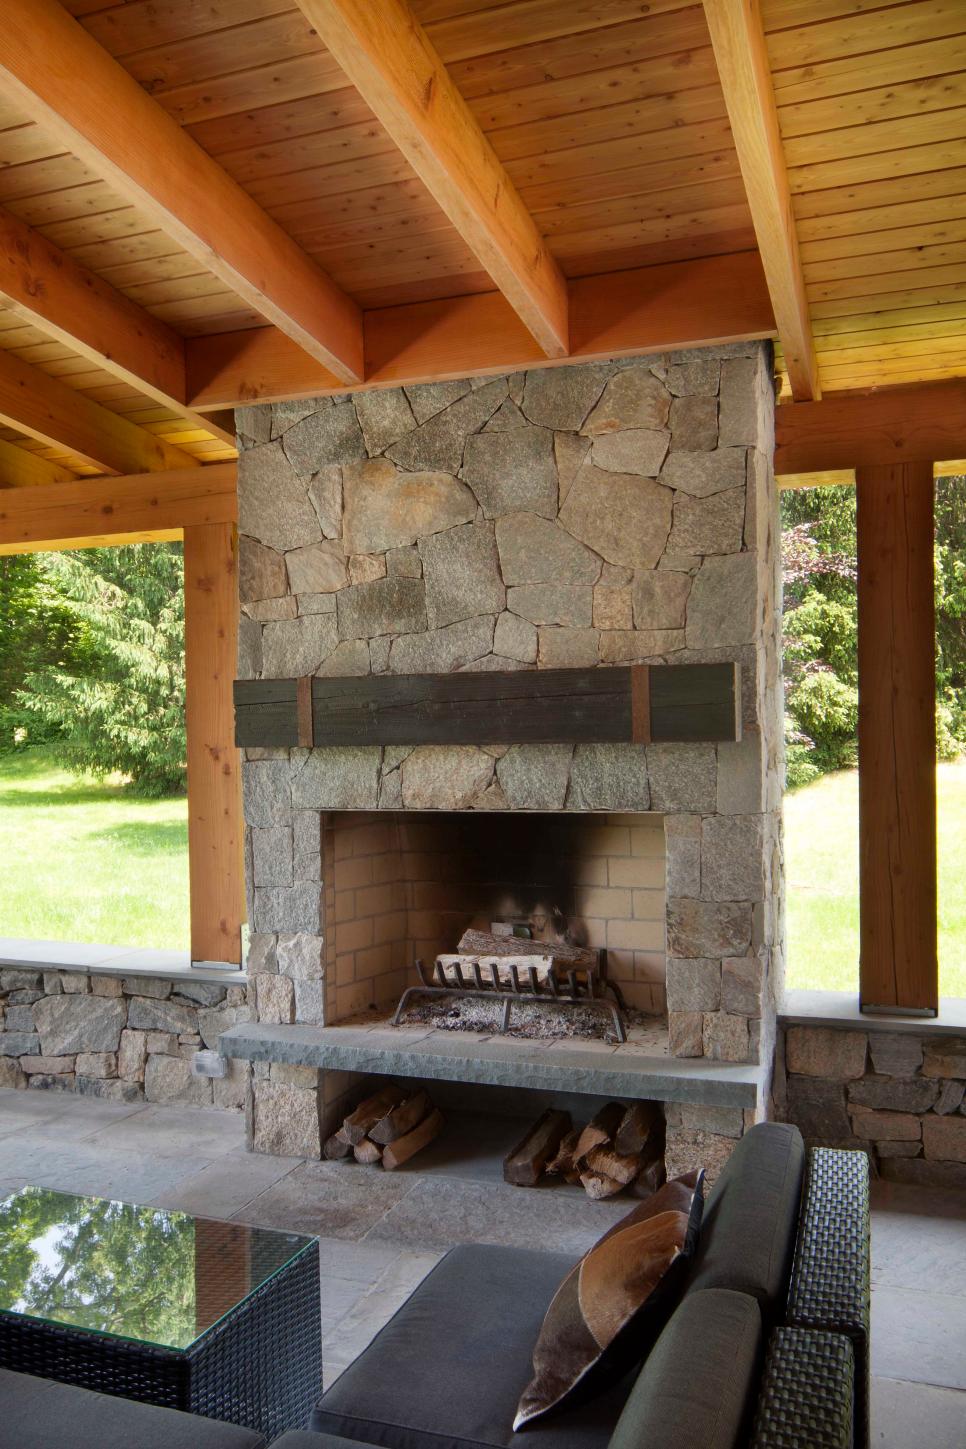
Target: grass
point(83, 860)
point(822, 872)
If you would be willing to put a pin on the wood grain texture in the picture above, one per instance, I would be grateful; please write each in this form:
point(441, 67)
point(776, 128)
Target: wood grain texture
point(892, 425)
point(897, 737)
point(738, 41)
point(79, 513)
point(392, 63)
point(97, 111)
point(22, 469)
point(43, 407)
point(214, 775)
point(690, 702)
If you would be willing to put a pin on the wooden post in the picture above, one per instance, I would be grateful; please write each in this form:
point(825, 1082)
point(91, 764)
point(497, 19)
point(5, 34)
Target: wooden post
point(899, 967)
point(214, 800)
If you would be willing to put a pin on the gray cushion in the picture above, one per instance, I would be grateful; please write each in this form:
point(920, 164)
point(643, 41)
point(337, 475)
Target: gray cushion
point(305, 1439)
point(37, 1413)
point(697, 1386)
point(447, 1371)
point(751, 1217)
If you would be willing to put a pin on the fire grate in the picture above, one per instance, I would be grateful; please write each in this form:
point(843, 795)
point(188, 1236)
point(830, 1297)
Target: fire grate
point(508, 979)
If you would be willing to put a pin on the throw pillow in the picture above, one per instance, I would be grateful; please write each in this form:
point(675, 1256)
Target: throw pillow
point(610, 1307)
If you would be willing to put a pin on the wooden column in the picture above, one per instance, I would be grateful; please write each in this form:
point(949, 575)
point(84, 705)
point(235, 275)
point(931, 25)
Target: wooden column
point(897, 738)
point(214, 797)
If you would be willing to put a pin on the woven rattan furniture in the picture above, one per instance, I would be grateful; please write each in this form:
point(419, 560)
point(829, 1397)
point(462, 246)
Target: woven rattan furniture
point(807, 1392)
point(214, 1318)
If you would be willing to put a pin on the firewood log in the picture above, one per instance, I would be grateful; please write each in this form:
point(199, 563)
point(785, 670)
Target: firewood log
point(372, 1110)
point(651, 1176)
point(403, 1148)
point(639, 1123)
point(600, 1131)
point(563, 1162)
point(368, 1152)
point(622, 1168)
point(597, 1186)
point(401, 1119)
point(337, 1146)
point(525, 1165)
point(482, 943)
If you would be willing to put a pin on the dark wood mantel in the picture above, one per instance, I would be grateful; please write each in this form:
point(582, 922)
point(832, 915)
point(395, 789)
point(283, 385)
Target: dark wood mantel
point(639, 703)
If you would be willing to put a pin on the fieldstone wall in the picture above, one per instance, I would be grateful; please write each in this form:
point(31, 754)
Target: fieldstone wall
point(897, 1095)
point(128, 1039)
point(608, 513)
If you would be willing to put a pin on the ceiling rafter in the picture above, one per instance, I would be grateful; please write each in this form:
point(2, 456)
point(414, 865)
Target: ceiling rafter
point(738, 41)
point(72, 88)
point(20, 468)
point(393, 65)
point(43, 407)
point(48, 290)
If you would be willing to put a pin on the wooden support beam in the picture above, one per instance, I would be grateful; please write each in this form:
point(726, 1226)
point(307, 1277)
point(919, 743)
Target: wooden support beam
point(914, 424)
point(214, 777)
point(49, 290)
point(90, 512)
point(87, 101)
point(738, 40)
point(898, 965)
point(845, 477)
point(45, 408)
point(392, 63)
point(706, 302)
point(22, 469)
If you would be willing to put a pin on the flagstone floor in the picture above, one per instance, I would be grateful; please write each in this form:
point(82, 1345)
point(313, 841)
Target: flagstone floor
point(379, 1234)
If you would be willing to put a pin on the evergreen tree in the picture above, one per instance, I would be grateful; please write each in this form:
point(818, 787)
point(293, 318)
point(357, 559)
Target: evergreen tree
point(36, 632)
point(121, 706)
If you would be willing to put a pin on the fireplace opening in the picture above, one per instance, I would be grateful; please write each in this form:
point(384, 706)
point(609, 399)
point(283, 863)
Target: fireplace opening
point(404, 886)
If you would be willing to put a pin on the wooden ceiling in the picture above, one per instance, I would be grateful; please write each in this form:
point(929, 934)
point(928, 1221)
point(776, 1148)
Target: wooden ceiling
point(205, 202)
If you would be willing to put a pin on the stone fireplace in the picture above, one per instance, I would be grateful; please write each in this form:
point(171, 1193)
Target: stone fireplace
point(585, 516)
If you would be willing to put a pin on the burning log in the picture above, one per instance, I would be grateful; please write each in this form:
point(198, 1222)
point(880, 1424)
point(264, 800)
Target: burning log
point(525, 1165)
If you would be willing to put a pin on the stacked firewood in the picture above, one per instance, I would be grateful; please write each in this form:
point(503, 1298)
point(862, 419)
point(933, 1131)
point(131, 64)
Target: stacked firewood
point(622, 1147)
point(389, 1127)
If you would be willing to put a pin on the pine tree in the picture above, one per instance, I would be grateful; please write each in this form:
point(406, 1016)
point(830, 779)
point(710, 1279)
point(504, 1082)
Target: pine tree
point(123, 711)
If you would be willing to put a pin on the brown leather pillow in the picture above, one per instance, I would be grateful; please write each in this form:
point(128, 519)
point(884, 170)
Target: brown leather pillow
point(610, 1307)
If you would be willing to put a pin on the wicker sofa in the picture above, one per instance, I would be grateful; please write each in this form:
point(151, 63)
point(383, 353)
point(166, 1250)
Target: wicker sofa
point(768, 1347)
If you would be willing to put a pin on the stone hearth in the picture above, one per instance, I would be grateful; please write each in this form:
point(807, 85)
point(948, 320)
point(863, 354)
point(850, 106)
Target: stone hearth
point(609, 513)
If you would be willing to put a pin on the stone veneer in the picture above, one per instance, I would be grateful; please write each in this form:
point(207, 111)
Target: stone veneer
point(588, 515)
point(125, 1038)
point(897, 1095)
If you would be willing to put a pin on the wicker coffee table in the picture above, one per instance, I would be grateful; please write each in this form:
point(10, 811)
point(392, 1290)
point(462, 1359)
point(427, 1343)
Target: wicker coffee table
point(211, 1317)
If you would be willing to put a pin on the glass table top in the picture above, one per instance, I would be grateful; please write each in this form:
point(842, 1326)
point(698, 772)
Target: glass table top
point(139, 1273)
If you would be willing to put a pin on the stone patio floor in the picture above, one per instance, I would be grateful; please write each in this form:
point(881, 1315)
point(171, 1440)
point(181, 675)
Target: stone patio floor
point(379, 1234)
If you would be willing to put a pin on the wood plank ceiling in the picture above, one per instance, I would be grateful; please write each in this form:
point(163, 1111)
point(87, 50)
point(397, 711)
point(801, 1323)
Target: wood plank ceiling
point(607, 116)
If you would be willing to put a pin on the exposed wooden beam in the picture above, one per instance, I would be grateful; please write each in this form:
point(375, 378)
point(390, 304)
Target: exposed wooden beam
point(712, 300)
point(738, 39)
point(22, 469)
point(94, 511)
point(845, 477)
point(86, 100)
point(214, 779)
point(47, 409)
point(898, 963)
point(49, 290)
point(393, 65)
point(916, 423)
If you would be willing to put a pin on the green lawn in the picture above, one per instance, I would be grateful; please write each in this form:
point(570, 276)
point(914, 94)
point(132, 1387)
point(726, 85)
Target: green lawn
point(822, 870)
point(82, 860)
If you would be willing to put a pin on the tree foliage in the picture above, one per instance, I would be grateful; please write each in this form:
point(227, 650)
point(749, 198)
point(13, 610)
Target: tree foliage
point(821, 626)
point(114, 701)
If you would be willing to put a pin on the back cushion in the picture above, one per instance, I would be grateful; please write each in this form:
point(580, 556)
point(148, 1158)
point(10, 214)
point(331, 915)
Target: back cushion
point(751, 1218)
point(696, 1389)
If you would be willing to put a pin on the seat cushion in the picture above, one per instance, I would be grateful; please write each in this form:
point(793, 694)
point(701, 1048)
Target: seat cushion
point(37, 1413)
point(751, 1218)
point(698, 1385)
point(447, 1371)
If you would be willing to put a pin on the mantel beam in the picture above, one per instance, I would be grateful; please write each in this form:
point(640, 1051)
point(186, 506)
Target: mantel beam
point(390, 60)
point(700, 303)
point(87, 101)
point(738, 41)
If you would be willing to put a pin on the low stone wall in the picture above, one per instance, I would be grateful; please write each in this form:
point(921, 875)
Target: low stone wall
point(128, 1039)
point(897, 1095)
